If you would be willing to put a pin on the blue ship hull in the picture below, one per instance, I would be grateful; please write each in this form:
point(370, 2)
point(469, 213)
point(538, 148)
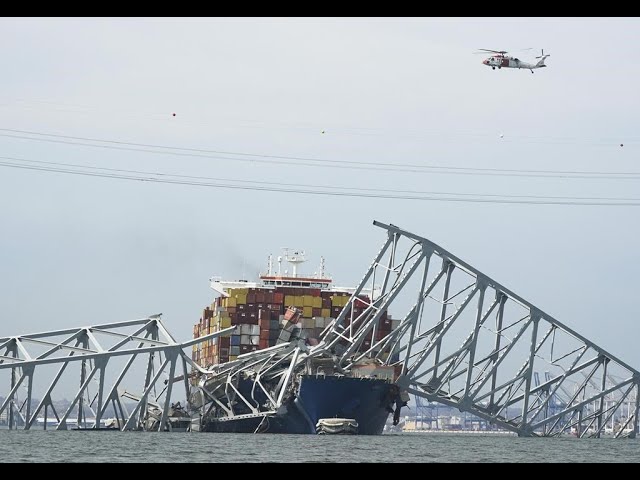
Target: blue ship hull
point(367, 400)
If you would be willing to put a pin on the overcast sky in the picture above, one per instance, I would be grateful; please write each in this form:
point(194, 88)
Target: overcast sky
point(79, 250)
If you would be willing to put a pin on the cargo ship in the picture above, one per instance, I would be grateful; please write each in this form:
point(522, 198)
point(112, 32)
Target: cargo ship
point(269, 375)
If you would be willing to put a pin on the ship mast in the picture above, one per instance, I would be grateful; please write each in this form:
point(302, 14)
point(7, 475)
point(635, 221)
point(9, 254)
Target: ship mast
point(296, 258)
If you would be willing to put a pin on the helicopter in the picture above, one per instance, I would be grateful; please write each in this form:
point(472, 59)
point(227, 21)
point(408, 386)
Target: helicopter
point(501, 59)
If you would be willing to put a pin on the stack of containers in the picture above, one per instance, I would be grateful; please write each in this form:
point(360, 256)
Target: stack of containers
point(259, 314)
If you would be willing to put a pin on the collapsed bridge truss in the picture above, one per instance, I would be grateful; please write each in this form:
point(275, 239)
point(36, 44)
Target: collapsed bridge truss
point(470, 343)
point(466, 342)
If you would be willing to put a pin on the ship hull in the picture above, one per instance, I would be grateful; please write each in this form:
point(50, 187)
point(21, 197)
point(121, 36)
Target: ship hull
point(366, 400)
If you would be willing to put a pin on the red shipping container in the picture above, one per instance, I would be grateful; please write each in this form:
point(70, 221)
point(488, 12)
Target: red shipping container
point(251, 297)
point(264, 334)
point(263, 343)
point(316, 312)
point(224, 342)
point(268, 297)
point(260, 298)
point(241, 307)
point(278, 297)
point(360, 304)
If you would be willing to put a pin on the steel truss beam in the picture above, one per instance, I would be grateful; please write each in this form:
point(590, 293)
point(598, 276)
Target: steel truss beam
point(88, 350)
point(480, 375)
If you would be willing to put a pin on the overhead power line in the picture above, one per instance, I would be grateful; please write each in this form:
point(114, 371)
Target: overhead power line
point(269, 159)
point(163, 178)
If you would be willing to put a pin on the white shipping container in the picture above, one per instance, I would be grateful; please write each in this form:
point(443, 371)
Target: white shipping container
point(245, 329)
point(255, 339)
point(255, 330)
point(245, 339)
point(319, 322)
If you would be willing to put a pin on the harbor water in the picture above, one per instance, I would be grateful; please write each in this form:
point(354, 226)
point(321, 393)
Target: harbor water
point(84, 446)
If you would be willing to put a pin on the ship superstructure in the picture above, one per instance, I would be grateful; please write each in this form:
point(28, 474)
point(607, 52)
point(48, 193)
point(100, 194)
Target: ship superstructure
point(258, 309)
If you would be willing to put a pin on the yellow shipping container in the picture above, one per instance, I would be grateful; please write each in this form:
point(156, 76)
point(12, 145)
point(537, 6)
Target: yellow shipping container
point(231, 301)
point(225, 322)
point(326, 312)
point(241, 298)
point(307, 312)
point(233, 357)
point(317, 302)
point(307, 301)
point(223, 302)
point(289, 300)
point(299, 301)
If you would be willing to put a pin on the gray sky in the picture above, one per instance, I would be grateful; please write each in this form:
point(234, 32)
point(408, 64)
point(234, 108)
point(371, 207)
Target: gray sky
point(77, 250)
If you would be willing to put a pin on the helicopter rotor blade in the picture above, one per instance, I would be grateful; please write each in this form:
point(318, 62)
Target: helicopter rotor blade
point(543, 55)
point(493, 51)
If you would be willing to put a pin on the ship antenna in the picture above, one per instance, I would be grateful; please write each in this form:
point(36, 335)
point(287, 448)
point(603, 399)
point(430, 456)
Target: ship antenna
point(321, 267)
point(270, 265)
